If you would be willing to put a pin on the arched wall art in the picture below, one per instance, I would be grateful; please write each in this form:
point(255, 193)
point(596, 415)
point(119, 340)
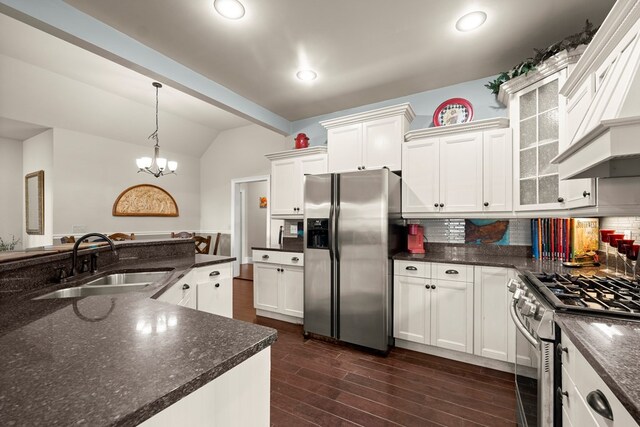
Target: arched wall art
point(145, 200)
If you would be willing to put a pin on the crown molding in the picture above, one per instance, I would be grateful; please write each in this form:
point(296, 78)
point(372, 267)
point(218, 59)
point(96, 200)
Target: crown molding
point(396, 110)
point(558, 62)
point(620, 20)
point(486, 124)
point(322, 149)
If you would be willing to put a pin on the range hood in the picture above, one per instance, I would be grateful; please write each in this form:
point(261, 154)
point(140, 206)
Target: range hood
point(603, 94)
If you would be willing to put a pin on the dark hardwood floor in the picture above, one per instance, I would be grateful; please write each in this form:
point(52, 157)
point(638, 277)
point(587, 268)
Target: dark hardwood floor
point(319, 383)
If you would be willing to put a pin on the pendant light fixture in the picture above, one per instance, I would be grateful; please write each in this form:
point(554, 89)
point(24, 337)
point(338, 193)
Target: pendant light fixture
point(156, 165)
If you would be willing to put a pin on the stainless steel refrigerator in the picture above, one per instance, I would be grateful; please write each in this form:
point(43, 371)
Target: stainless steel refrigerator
point(352, 228)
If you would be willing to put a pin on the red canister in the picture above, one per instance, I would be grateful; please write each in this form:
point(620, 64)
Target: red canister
point(302, 141)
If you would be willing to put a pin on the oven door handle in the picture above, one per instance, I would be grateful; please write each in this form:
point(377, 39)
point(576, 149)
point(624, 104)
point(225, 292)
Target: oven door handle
point(520, 326)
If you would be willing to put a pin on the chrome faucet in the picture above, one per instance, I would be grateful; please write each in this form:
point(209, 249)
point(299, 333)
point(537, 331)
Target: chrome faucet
point(74, 255)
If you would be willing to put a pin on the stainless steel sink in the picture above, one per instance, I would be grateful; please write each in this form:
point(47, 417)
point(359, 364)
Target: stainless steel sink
point(85, 291)
point(116, 283)
point(119, 279)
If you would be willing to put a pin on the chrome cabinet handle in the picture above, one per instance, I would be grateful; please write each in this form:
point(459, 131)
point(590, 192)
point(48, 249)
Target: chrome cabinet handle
point(185, 287)
point(451, 272)
point(217, 285)
point(599, 403)
point(295, 259)
point(265, 256)
point(214, 273)
point(411, 268)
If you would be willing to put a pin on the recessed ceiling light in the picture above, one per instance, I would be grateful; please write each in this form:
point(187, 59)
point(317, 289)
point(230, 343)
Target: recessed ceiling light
point(306, 75)
point(231, 9)
point(471, 21)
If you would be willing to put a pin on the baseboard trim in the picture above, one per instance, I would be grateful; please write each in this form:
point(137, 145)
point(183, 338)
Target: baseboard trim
point(471, 359)
point(278, 316)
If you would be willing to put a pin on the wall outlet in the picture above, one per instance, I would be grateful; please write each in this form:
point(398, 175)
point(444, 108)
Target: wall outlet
point(77, 229)
point(293, 229)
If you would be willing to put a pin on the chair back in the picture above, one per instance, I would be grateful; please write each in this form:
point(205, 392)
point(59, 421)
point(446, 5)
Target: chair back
point(182, 235)
point(67, 239)
point(216, 244)
point(119, 237)
point(203, 244)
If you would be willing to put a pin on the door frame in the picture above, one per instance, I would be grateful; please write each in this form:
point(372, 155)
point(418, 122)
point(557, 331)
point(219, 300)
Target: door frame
point(236, 218)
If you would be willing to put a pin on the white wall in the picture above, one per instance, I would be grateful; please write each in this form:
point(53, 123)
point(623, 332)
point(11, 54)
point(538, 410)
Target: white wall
point(235, 153)
point(37, 155)
point(255, 225)
point(91, 171)
point(11, 181)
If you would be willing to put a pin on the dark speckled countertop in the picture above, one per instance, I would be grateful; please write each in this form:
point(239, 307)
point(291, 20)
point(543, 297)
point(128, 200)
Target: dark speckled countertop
point(614, 356)
point(114, 359)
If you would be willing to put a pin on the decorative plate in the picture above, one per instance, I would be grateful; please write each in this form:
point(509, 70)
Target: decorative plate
point(453, 111)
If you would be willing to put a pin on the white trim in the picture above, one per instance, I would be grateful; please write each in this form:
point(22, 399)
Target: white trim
point(278, 316)
point(321, 149)
point(494, 123)
point(146, 233)
point(234, 183)
point(404, 110)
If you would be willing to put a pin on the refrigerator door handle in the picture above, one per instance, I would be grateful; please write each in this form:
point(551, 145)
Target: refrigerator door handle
point(337, 249)
point(331, 232)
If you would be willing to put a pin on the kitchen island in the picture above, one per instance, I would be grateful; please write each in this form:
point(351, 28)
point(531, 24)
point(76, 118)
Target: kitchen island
point(121, 359)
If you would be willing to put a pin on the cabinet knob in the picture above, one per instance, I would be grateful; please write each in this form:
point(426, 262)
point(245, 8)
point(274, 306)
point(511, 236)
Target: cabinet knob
point(185, 287)
point(363, 168)
point(214, 273)
point(295, 259)
point(435, 205)
point(599, 403)
point(433, 286)
point(585, 193)
point(560, 199)
point(265, 256)
point(359, 168)
point(486, 204)
point(560, 349)
point(561, 394)
point(441, 205)
point(427, 286)
point(217, 285)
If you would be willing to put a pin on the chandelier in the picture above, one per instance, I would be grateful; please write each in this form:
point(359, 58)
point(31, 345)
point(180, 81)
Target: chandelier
point(156, 165)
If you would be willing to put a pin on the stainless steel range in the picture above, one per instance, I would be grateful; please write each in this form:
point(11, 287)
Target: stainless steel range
point(536, 298)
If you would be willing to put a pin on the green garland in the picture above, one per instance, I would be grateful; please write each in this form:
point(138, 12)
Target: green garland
point(571, 42)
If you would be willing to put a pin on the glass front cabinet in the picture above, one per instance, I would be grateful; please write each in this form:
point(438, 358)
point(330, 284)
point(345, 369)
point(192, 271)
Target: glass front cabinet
point(538, 116)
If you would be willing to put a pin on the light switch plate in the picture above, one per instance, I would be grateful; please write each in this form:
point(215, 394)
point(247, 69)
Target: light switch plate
point(293, 229)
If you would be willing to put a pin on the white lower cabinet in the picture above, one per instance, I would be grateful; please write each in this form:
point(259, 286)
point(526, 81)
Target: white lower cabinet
point(494, 332)
point(208, 288)
point(433, 311)
point(278, 285)
point(580, 384)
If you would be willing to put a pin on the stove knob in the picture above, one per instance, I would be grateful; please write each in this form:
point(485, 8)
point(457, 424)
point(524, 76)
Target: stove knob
point(529, 309)
point(513, 285)
point(522, 301)
point(517, 294)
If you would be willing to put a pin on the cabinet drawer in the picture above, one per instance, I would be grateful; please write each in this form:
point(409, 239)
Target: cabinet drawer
point(267, 256)
point(455, 272)
point(569, 355)
point(412, 269)
point(178, 291)
point(215, 272)
point(291, 258)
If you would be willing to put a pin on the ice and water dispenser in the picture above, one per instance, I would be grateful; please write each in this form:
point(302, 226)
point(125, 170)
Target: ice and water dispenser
point(317, 233)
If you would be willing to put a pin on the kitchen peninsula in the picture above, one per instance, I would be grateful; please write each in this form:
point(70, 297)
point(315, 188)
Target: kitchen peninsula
point(127, 358)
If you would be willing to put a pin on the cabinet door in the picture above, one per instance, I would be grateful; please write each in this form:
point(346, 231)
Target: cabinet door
point(188, 298)
point(461, 172)
point(382, 143)
point(265, 286)
point(216, 297)
point(421, 176)
point(292, 291)
point(309, 165)
point(493, 336)
point(497, 160)
point(452, 315)
point(411, 307)
point(344, 145)
point(285, 186)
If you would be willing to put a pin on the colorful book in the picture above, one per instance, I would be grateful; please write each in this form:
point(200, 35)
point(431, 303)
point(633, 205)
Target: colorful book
point(584, 236)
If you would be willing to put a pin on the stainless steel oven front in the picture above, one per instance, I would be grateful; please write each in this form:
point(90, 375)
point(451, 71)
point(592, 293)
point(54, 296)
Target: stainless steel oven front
point(534, 362)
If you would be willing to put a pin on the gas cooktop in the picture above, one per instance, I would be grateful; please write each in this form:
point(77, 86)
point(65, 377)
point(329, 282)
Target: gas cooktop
point(608, 295)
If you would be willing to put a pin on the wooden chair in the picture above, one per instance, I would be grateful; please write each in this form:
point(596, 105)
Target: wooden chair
point(203, 244)
point(67, 239)
point(119, 237)
point(216, 243)
point(182, 235)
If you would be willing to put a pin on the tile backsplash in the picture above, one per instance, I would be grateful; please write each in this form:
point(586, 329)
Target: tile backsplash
point(630, 225)
point(448, 230)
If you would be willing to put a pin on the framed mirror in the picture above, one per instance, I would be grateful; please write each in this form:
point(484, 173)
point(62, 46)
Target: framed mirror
point(34, 202)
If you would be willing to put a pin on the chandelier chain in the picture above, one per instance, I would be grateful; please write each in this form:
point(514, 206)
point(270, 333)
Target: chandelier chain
point(154, 135)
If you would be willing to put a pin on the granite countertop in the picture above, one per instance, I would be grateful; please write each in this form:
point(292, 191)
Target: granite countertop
point(277, 249)
point(114, 359)
point(612, 348)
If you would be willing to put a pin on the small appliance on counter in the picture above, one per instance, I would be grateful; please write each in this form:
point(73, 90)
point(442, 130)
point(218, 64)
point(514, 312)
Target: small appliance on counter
point(415, 239)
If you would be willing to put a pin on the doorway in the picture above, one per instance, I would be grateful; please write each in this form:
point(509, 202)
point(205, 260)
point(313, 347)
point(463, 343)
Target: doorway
point(250, 217)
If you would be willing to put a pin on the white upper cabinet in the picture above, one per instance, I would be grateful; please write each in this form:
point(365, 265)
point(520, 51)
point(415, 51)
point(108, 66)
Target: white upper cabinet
point(457, 169)
point(541, 127)
point(288, 169)
point(370, 140)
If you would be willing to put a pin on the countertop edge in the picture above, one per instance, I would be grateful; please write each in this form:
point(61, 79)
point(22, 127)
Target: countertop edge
point(152, 408)
point(297, 251)
point(588, 354)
